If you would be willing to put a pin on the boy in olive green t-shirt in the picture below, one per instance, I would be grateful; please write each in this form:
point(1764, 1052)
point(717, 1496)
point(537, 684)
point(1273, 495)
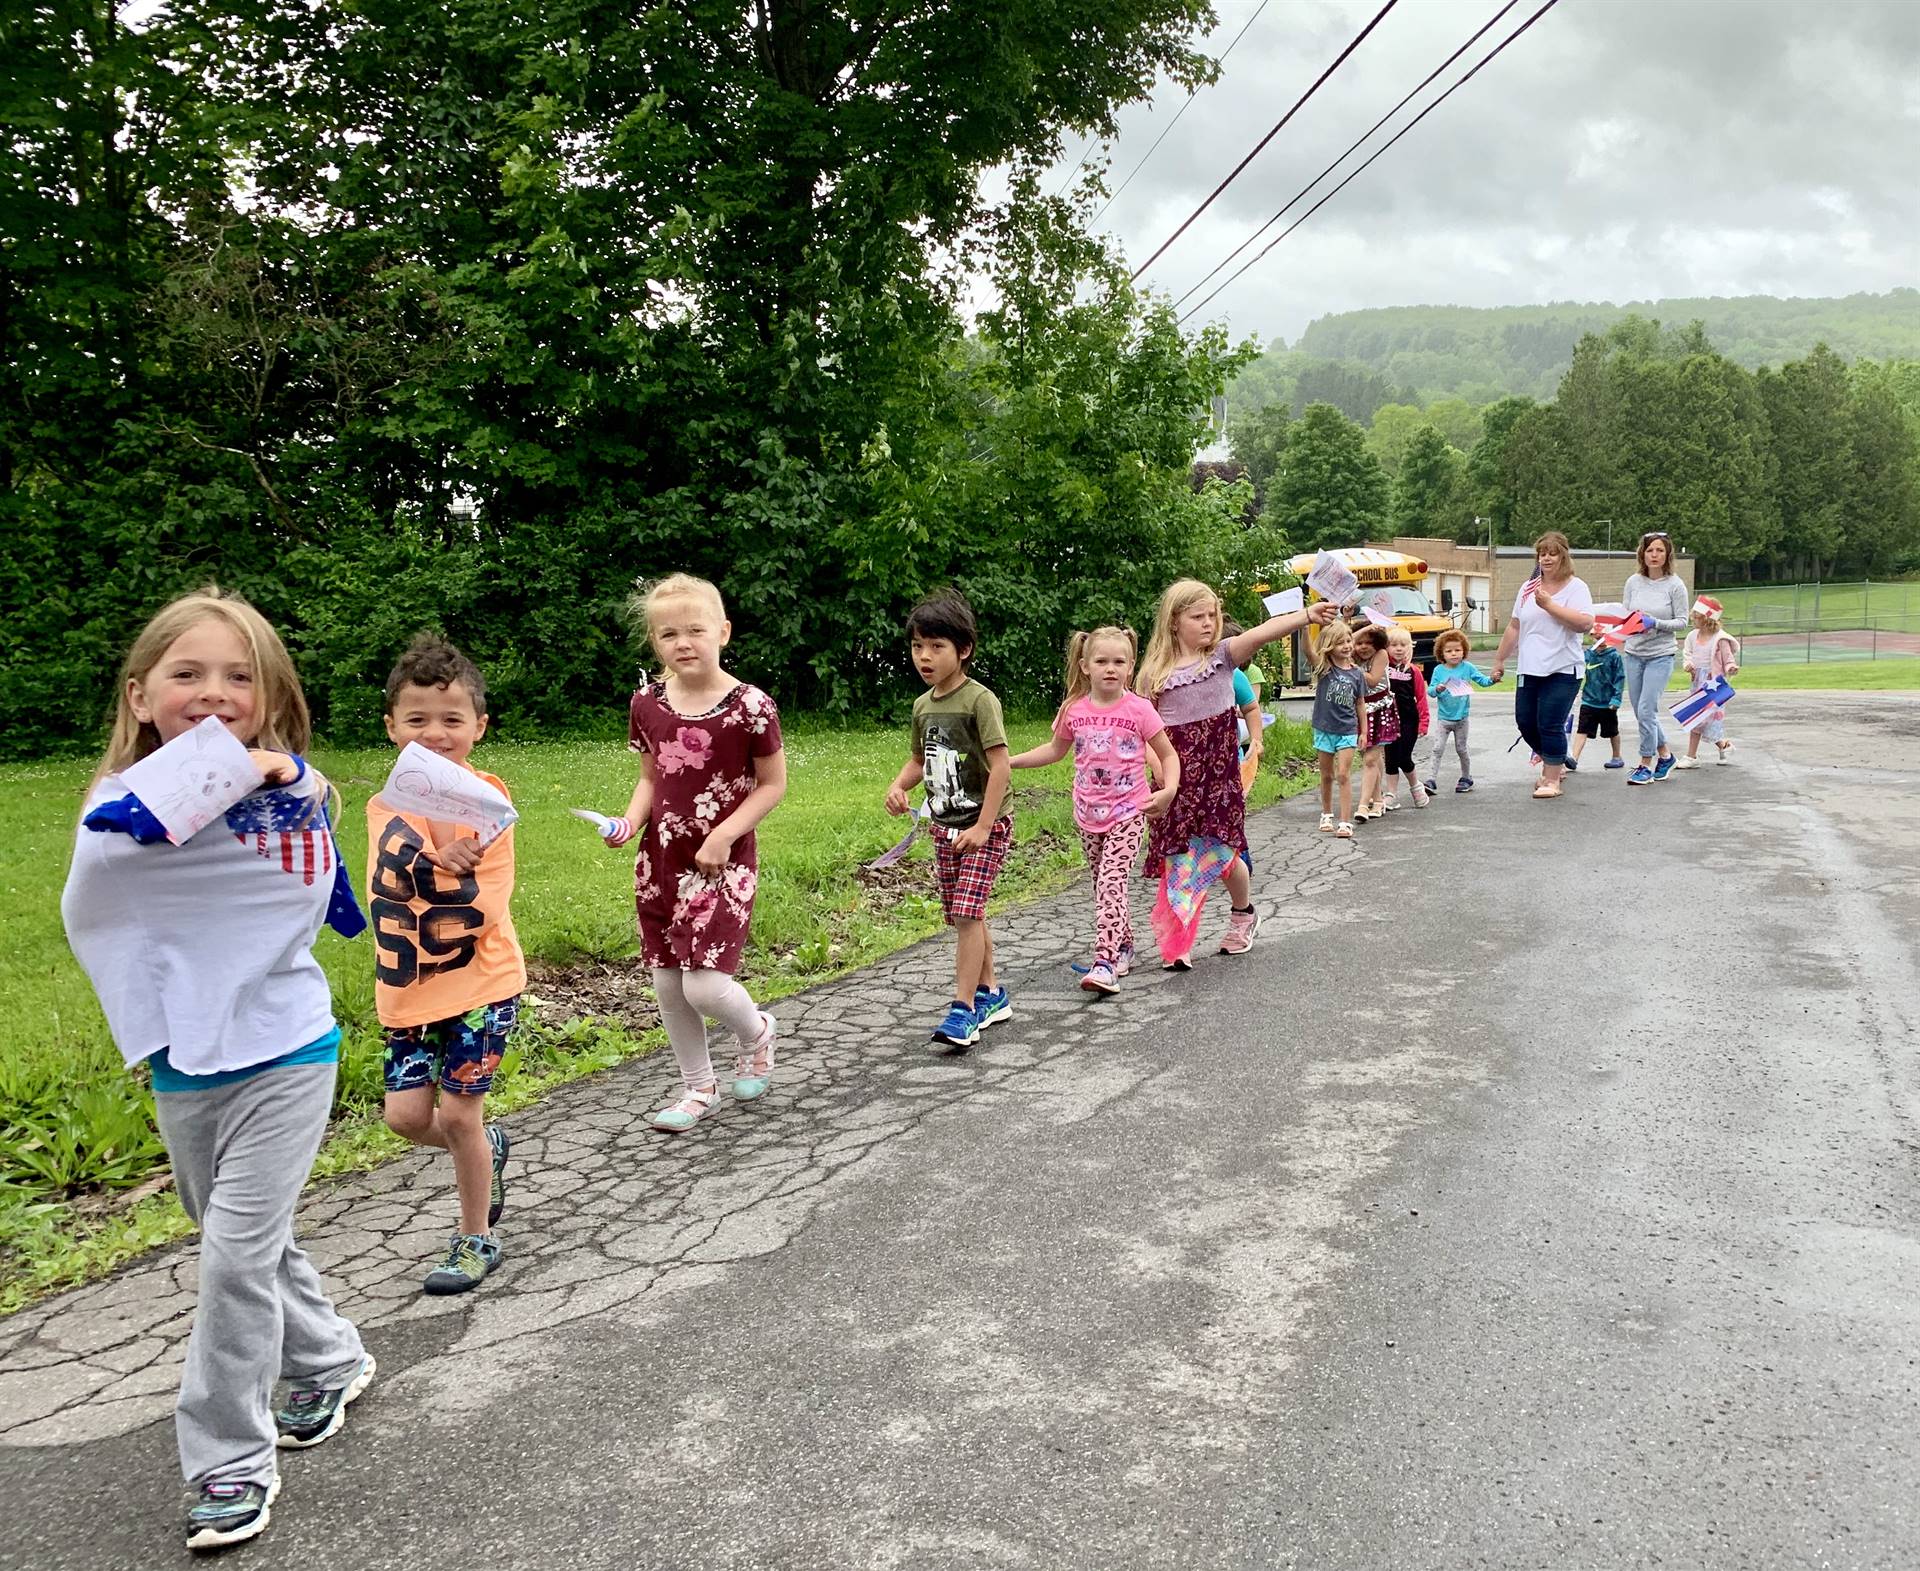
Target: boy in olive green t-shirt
point(960, 753)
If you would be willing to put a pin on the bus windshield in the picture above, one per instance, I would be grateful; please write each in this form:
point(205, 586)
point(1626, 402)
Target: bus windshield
point(1406, 600)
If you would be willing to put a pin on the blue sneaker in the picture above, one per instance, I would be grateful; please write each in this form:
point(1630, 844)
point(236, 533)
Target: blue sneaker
point(1664, 767)
point(1614, 763)
point(1641, 775)
point(991, 1006)
point(1463, 785)
point(959, 1027)
point(1573, 766)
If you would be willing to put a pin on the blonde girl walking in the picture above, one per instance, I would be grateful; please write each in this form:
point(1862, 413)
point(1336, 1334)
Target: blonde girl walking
point(1114, 734)
point(202, 955)
point(1187, 674)
point(1339, 695)
point(711, 768)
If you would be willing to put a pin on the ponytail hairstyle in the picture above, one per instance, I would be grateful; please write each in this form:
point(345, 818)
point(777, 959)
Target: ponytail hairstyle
point(1163, 644)
point(1080, 645)
point(1332, 636)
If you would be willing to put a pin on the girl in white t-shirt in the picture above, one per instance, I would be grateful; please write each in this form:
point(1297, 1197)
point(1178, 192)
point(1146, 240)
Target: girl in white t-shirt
point(202, 955)
point(1550, 615)
point(1113, 733)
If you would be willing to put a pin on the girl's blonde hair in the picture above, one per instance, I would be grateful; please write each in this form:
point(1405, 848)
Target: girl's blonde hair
point(1079, 684)
point(1163, 644)
point(675, 586)
point(1333, 634)
point(1397, 635)
point(280, 707)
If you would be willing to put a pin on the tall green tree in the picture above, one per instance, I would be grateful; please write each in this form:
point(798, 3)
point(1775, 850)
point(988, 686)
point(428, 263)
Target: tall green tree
point(1806, 404)
point(1430, 487)
point(1331, 492)
point(1258, 442)
point(1490, 484)
point(1883, 482)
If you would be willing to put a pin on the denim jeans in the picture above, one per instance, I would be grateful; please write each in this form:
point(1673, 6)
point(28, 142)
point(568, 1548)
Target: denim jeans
point(1647, 677)
point(1540, 709)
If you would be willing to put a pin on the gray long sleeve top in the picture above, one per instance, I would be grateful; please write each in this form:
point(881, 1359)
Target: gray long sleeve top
point(1663, 602)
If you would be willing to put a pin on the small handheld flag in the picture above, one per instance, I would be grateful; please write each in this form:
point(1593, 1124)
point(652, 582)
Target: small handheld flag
point(1704, 704)
point(894, 852)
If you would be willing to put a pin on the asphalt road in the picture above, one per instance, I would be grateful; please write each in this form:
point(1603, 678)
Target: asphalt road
point(1542, 1191)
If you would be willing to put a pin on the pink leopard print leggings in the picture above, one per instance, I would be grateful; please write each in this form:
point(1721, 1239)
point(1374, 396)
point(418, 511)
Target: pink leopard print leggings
point(1110, 853)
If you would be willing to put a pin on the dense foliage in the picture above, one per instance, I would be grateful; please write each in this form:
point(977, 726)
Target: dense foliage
point(1812, 468)
point(1484, 353)
point(464, 315)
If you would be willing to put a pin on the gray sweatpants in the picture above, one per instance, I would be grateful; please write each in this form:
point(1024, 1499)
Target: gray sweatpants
point(1457, 730)
point(240, 1155)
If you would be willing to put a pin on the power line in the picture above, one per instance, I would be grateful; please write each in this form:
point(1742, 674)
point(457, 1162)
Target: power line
point(1396, 137)
point(1176, 118)
point(1188, 220)
point(1357, 143)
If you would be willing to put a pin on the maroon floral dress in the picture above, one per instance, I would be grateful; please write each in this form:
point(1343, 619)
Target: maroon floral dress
point(702, 771)
point(1196, 703)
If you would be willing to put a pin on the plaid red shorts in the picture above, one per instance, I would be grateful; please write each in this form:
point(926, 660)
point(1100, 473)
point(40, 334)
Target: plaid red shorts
point(966, 878)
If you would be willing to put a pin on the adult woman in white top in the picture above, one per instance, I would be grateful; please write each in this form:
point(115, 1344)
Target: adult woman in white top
point(1551, 612)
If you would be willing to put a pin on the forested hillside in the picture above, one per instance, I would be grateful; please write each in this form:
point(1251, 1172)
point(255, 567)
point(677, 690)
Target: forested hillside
point(1420, 353)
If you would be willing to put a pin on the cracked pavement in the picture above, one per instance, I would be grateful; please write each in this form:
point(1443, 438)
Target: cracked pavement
point(1442, 1229)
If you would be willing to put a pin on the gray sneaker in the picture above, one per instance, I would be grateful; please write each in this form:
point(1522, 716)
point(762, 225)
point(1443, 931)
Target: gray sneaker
point(229, 1512)
point(499, 1143)
point(471, 1257)
point(313, 1413)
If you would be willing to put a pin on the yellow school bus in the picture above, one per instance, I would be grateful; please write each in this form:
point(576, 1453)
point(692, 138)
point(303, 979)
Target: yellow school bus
point(1401, 579)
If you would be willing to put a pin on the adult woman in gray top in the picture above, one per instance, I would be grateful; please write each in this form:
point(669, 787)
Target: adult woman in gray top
point(1658, 595)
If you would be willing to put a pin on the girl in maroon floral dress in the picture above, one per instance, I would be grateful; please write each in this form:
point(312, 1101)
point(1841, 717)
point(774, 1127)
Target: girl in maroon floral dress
point(711, 767)
point(1187, 674)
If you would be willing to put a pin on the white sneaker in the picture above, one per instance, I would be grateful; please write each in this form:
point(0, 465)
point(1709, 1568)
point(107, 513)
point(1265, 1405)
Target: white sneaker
point(1687, 763)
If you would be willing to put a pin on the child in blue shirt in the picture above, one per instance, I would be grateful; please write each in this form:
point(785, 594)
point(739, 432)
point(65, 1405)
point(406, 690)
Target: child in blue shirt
point(1600, 694)
point(1452, 701)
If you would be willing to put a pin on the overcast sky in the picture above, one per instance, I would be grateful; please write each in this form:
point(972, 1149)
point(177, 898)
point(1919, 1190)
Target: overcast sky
point(1620, 150)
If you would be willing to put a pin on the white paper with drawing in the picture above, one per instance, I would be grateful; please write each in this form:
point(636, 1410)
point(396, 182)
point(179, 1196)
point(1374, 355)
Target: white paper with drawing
point(429, 786)
point(1330, 580)
point(1286, 600)
point(193, 779)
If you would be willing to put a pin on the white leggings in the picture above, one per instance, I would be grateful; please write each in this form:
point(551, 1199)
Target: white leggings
point(688, 999)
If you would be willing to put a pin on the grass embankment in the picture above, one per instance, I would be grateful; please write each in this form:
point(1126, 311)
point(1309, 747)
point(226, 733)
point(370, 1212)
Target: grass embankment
point(80, 1164)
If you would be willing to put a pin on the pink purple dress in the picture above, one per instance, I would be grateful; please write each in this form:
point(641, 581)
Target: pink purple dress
point(702, 770)
point(1196, 702)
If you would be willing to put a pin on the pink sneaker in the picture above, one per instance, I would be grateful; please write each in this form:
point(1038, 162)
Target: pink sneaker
point(1241, 926)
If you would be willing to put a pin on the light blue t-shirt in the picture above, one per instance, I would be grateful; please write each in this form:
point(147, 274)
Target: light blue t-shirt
point(1454, 706)
point(167, 1079)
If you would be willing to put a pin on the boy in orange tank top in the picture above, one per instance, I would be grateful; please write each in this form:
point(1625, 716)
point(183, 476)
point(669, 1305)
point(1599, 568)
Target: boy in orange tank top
point(448, 967)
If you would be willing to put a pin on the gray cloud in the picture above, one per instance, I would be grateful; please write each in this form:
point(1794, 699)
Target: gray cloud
point(1620, 150)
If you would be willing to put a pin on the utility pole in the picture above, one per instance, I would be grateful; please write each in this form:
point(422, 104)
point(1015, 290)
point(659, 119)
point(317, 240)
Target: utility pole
point(1609, 523)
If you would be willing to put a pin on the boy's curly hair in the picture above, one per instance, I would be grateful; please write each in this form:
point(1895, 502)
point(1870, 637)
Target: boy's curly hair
point(430, 661)
point(1448, 639)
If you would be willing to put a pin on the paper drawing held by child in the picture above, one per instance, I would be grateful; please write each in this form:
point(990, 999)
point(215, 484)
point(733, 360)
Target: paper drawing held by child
point(429, 786)
point(192, 780)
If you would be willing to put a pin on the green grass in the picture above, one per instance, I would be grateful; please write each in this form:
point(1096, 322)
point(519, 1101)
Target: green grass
point(1876, 676)
point(1760, 608)
point(77, 1144)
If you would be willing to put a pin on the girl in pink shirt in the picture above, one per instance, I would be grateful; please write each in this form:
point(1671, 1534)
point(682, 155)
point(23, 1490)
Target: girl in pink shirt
point(1112, 733)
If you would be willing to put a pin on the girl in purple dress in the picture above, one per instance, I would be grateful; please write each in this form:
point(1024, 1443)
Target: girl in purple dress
point(1187, 674)
point(711, 767)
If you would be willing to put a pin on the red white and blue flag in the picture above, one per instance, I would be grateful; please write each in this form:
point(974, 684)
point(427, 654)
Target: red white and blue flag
point(1704, 704)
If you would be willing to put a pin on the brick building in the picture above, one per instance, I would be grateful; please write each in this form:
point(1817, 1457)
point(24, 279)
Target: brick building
point(1458, 574)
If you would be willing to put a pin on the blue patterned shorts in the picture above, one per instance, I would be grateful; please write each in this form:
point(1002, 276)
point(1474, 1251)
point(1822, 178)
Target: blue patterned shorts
point(461, 1054)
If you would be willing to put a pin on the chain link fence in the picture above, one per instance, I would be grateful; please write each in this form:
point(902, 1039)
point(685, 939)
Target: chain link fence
point(1798, 624)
